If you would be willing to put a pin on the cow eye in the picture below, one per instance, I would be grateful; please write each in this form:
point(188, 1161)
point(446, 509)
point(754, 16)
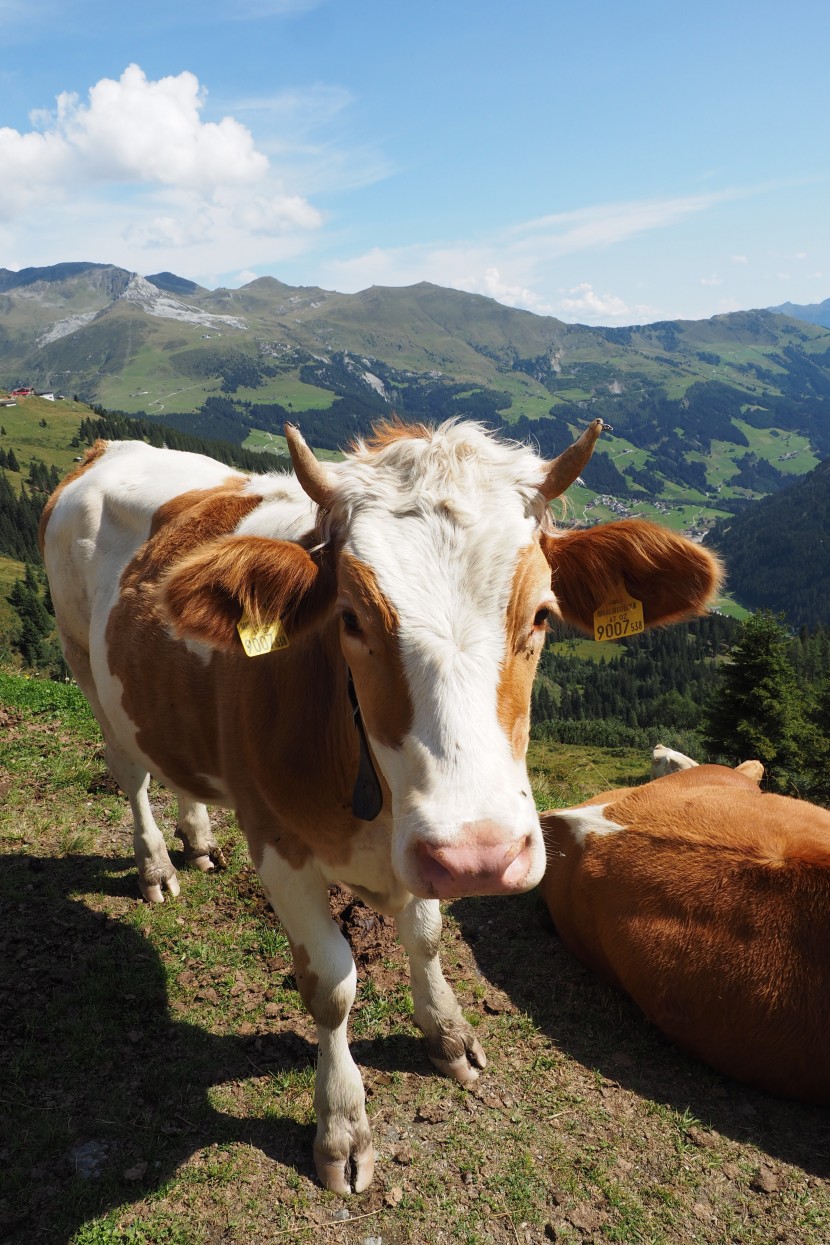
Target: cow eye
point(350, 624)
point(541, 619)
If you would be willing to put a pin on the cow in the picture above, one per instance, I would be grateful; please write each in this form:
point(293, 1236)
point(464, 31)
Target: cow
point(708, 902)
point(666, 761)
point(396, 604)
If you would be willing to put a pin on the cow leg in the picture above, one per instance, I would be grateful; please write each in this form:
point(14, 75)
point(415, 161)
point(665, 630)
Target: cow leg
point(155, 868)
point(326, 979)
point(451, 1042)
point(193, 828)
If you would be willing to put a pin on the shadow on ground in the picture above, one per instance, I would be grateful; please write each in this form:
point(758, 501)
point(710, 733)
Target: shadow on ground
point(517, 949)
point(104, 1093)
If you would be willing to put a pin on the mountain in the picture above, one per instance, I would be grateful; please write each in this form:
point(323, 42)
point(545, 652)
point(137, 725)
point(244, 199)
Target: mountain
point(706, 414)
point(778, 551)
point(813, 313)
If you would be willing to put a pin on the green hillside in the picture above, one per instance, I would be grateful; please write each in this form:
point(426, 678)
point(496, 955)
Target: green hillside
point(778, 552)
point(707, 415)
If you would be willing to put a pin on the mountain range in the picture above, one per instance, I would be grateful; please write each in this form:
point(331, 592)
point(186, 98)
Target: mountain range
point(706, 414)
point(813, 313)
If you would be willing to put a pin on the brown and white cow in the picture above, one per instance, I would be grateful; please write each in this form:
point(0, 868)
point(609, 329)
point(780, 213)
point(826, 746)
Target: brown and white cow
point(426, 565)
point(708, 902)
point(667, 761)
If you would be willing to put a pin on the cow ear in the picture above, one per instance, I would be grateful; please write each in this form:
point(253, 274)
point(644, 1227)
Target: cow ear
point(673, 577)
point(205, 595)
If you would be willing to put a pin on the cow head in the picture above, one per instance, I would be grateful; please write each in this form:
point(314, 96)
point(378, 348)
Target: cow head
point(442, 568)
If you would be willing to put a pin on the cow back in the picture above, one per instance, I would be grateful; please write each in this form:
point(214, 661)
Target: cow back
point(709, 903)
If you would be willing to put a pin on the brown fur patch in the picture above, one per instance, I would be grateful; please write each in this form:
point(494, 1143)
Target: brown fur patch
point(138, 642)
point(524, 646)
point(672, 576)
point(711, 908)
point(276, 729)
point(386, 431)
point(375, 661)
point(91, 456)
point(205, 594)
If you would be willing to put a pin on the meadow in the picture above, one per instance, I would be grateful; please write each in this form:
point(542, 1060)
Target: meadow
point(158, 1063)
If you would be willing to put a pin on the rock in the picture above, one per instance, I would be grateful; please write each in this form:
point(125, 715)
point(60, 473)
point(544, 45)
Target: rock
point(137, 1172)
point(394, 1197)
point(765, 1180)
point(88, 1158)
point(701, 1137)
point(587, 1218)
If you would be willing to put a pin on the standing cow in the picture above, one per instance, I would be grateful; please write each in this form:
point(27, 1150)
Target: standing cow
point(401, 598)
point(708, 902)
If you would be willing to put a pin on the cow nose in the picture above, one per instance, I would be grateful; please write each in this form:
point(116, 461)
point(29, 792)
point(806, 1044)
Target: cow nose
point(487, 860)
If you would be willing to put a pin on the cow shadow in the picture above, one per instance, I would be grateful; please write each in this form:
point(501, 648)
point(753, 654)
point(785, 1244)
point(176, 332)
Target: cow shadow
point(517, 949)
point(105, 1093)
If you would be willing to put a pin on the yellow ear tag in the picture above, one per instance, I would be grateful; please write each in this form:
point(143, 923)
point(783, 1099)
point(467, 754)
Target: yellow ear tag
point(619, 615)
point(257, 641)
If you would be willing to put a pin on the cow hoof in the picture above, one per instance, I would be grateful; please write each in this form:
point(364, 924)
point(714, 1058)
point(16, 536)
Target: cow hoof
point(203, 863)
point(152, 892)
point(460, 1066)
point(206, 861)
point(346, 1175)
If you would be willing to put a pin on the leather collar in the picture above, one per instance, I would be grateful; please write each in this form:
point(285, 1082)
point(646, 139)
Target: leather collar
point(367, 797)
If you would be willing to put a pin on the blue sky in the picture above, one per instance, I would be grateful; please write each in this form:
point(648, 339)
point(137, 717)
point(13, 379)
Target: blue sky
point(607, 162)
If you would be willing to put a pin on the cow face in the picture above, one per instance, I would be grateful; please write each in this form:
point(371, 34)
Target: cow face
point(442, 613)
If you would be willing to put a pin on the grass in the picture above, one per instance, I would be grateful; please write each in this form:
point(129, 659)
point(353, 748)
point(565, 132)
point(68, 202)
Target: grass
point(277, 444)
point(29, 440)
point(10, 572)
point(170, 1045)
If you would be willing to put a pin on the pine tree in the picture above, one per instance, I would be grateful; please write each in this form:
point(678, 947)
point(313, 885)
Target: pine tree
point(35, 623)
point(756, 710)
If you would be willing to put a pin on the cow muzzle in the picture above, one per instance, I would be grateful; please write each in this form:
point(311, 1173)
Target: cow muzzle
point(484, 862)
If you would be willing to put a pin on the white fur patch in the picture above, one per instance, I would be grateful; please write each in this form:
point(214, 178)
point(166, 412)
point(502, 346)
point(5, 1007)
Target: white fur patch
point(588, 820)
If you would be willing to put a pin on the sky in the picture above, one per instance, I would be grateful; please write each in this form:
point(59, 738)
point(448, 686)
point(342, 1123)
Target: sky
point(606, 162)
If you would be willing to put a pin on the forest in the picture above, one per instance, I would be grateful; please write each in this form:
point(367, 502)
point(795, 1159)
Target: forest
point(716, 689)
point(778, 550)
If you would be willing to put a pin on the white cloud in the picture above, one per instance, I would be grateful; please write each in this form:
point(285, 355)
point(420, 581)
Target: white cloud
point(492, 284)
point(606, 224)
point(739, 259)
point(134, 174)
point(131, 131)
point(270, 214)
point(712, 279)
point(586, 305)
point(517, 265)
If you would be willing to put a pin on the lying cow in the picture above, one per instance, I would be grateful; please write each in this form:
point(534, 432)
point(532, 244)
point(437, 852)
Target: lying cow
point(666, 761)
point(399, 601)
point(708, 902)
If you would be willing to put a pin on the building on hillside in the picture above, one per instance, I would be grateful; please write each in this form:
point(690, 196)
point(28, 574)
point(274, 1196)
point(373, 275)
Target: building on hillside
point(25, 391)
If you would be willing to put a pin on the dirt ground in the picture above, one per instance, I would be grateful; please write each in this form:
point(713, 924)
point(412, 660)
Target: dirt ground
point(157, 1067)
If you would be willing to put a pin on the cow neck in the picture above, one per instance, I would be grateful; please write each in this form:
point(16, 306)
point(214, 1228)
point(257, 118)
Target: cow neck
point(367, 797)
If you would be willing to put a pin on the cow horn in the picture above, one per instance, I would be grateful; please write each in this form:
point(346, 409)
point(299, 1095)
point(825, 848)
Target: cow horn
point(314, 478)
point(567, 466)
